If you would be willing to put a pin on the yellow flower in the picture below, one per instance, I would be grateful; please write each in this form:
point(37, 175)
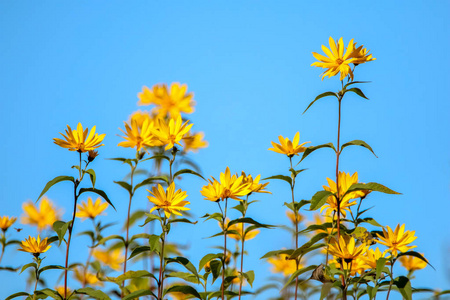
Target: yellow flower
point(168, 103)
point(345, 181)
point(87, 278)
point(291, 216)
point(6, 222)
point(79, 140)
point(336, 60)
point(287, 147)
point(361, 55)
point(171, 133)
point(110, 258)
point(233, 186)
point(90, 209)
point(212, 191)
point(35, 246)
point(170, 201)
point(193, 142)
point(281, 264)
point(319, 220)
point(60, 290)
point(254, 184)
point(371, 257)
point(239, 228)
point(346, 248)
point(398, 240)
point(44, 217)
point(357, 265)
point(139, 136)
point(140, 116)
point(412, 263)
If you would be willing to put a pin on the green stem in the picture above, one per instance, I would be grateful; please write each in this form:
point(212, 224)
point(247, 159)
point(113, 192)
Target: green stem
point(296, 226)
point(161, 261)
point(38, 261)
point(224, 248)
point(244, 211)
point(392, 279)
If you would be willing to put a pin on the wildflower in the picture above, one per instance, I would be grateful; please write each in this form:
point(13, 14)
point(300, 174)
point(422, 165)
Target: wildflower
point(281, 264)
point(171, 133)
point(79, 140)
point(168, 103)
point(346, 249)
point(138, 136)
point(372, 256)
point(44, 217)
point(233, 186)
point(356, 265)
point(398, 240)
point(35, 246)
point(254, 184)
point(86, 277)
point(361, 55)
point(412, 263)
point(319, 220)
point(291, 216)
point(287, 147)
point(193, 142)
point(170, 201)
point(92, 154)
point(6, 222)
point(110, 258)
point(91, 209)
point(212, 191)
point(237, 229)
point(336, 60)
point(140, 117)
point(60, 290)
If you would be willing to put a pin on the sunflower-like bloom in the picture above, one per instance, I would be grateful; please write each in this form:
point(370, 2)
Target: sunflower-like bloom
point(254, 184)
point(412, 263)
point(212, 191)
point(193, 142)
point(372, 256)
point(281, 264)
point(287, 147)
point(397, 240)
point(355, 266)
point(239, 228)
point(233, 186)
point(42, 217)
point(90, 209)
point(86, 278)
point(6, 222)
point(171, 133)
point(361, 55)
point(140, 116)
point(346, 249)
point(168, 103)
point(291, 216)
point(110, 258)
point(35, 246)
point(170, 201)
point(137, 136)
point(79, 140)
point(345, 182)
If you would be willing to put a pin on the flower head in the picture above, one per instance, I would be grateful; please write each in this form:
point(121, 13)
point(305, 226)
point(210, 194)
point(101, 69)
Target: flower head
point(193, 142)
point(356, 265)
point(237, 230)
point(90, 209)
point(281, 264)
point(6, 222)
point(338, 59)
point(35, 246)
point(169, 103)
point(171, 133)
point(346, 248)
point(79, 140)
point(361, 55)
point(110, 258)
point(397, 240)
point(254, 184)
point(42, 217)
point(412, 263)
point(233, 186)
point(291, 216)
point(212, 191)
point(87, 278)
point(372, 256)
point(170, 201)
point(287, 147)
point(139, 136)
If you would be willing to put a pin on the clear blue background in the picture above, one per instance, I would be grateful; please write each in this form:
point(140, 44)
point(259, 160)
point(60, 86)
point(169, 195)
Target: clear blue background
point(248, 64)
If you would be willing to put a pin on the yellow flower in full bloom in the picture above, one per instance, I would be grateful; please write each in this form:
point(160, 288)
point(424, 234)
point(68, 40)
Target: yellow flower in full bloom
point(346, 248)
point(254, 184)
point(6, 222)
point(43, 218)
point(412, 263)
point(79, 140)
point(397, 240)
point(212, 191)
point(168, 103)
point(361, 55)
point(372, 256)
point(171, 133)
point(281, 264)
point(193, 142)
point(86, 278)
point(140, 116)
point(91, 209)
point(170, 201)
point(110, 258)
point(239, 228)
point(35, 246)
point(337, 59)
point(345, 181)
point(287, 147)
point(139, 136)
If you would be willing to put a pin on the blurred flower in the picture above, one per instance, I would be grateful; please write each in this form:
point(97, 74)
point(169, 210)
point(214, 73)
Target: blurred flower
point(371, 257)
point(43, 218)
point(336, 60)
point(254, 184)
point(168, 103)
point(171, 133)
point(281, 264)
point(239, 228)
point(91, 209)
point(60, 290)
point(79, 140)
point(110, 258)
point(320, 220)
point(170, 201)
point(398, 240)
point(212, 191)
point(139, 136)
point(287, 147)
point(346, 248)
point(291, 216)
point(193, 142)
point(140, 116)
point(412, 263)
point(361, 55)
point(35, 246)
point(6, 222)
point(86, 278)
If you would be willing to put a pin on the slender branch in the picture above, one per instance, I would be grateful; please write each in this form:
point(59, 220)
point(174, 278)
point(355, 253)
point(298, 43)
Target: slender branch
point(392, 279)
point(161, 261)
point(244, 211)
point(224, 216)
point(296, 227)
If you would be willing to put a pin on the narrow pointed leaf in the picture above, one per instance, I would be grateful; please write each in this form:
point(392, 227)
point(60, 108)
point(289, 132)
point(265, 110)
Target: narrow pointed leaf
point(298, 273)
point(281, 177)
point(98, 192)
point(207, 258)
point(371, 186)
point(185, 289)
point(138, 250)
point(92, 175)
point(326, 94)
point(358, 143)
point(96, 294)
point(187, 171)
point(249, 221)
point(53, 182)
point(277, 252)
point(404, 286)
point(311, 149)
point(415, 254)
point(319, 199)
point(150, 180)
point(358, 92)
point(139, 293)
point(124, 185)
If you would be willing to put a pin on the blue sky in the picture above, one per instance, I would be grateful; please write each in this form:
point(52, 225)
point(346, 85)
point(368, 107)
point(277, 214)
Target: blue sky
point(248, 64)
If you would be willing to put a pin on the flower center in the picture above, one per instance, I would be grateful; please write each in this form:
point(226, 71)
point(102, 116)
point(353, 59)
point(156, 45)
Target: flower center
point(339, 61)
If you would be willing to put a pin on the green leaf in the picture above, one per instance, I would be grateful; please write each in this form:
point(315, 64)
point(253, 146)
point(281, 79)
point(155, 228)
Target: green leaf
point(354, 82)
point(371, 221)
point(17, 295)
point(277, 252)
point(51, 267)
point(372, 291)
point(154, 243)
point(53, 182)
point(298, 273)
point(28, 266)
point(358, 143)
point(111, 237)
point(296, 172)
point(182, 220)
point(184, 262)
point(208, 257)
point(51, 293)
point(404, 286)
point(91, 173)
point(60, 228)
point(98, 192)
point(358, 92)
point(124, 160)
point(130, 275)
point(250, 276)
point(185, 289)
point(326, 94)
point(216, 266)
point(319, 199)
point(311, 149)
point(157, 156)
point(306, 247)
point(281, 177)
point(139, 236)
point(139, 293)
point(185, 276)
point(150, 218)
point(415, 254)
point(138, 250)
point(188, 171)
point(125, 185)
point(96, 294)
point(326, 287)
point(381, 262)
point(150, 180)
point(249, 221)
point(215, 216)
point(371, 186)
